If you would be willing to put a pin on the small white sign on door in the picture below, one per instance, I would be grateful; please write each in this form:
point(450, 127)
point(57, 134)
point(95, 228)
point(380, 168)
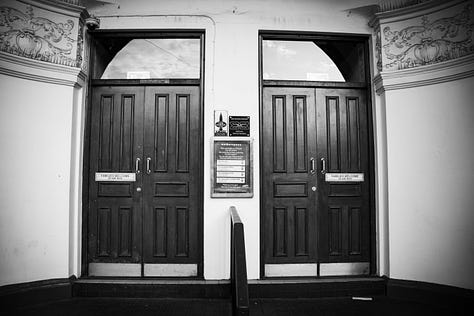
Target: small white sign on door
point(344, 177)
point(115, 177)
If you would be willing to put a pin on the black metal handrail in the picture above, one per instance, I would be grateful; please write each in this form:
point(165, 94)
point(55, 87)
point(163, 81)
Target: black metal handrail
point(238, 266)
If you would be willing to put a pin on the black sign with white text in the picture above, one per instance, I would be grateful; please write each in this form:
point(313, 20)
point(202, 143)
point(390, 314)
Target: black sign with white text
point(232, 169)
point(239, 125)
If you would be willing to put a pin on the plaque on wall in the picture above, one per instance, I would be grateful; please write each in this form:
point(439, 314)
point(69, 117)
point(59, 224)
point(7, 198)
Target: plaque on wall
point(232, 168)
point(344, 177)
point(220, 123)
point(115, 177)
point(239, 126)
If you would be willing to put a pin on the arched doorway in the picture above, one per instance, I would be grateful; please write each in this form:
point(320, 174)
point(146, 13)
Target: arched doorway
point(143, 216)
point(316, 156)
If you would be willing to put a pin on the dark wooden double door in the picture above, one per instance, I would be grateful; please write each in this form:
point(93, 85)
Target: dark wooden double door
point(312, 225)
point(149, 226)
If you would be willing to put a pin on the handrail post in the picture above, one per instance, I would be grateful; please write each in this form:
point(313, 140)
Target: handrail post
point(240, 295)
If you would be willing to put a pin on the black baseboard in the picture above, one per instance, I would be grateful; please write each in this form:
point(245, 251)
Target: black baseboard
point(32, 293)
point(430, 293)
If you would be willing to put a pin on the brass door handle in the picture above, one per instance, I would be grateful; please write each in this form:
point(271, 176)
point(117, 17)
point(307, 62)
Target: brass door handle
point(323, 165)
point(313, 168)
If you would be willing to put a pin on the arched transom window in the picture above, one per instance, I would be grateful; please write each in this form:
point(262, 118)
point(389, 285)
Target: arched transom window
point(313, 60)
point(148, 58)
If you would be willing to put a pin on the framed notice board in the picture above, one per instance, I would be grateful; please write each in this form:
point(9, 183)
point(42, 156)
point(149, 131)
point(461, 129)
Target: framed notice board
point(231, 168)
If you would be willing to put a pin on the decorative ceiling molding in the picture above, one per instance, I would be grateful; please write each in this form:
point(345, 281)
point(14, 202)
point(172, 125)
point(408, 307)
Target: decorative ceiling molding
point(393, 5)
point(428, 39)
point(75, 2)
point(455, 69)
point(59, 6)
point(36, 70)
point(43, 30)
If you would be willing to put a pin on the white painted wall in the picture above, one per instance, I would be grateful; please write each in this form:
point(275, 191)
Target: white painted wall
point(35, 157)
point(430, 134)
point(428, 131)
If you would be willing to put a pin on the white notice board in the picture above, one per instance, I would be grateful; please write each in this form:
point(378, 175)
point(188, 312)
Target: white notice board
point(115, 177)
point(344, 177)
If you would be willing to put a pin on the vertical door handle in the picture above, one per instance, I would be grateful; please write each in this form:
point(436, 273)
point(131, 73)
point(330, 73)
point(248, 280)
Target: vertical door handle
point(148, 170)
point(313, 168)
point(323, 165)
point(137, 166)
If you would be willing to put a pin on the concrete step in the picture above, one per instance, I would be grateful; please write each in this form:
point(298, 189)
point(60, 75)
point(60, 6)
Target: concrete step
point(317, 288)
point(268, 288)
point(150, 288)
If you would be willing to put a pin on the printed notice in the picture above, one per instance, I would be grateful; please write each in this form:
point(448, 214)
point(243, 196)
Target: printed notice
point(115, 177)
point(344, 177)
point(221, 162)
point(230, 174)
point(231, 170)
point(230, 180)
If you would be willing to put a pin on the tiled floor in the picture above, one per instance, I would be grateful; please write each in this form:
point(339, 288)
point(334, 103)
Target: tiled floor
point(259, 307)
point(126, 306)
point(380, 306)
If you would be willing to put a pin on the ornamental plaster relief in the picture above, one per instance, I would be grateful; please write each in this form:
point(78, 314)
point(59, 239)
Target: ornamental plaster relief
point(432, 35)
point(38, 32)
point(378, 49)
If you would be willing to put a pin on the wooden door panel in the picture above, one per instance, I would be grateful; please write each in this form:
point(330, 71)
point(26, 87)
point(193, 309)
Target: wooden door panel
point(114, 208)
point(289, 202)
point(160, 133)
point(171, 199)
point(344, 111)
point(343, 229)
point(343, 142)
point(276, 111)
point(331, 224)
point(182, 131)
point(156, 218)
point(344, 232)
point(290, 234)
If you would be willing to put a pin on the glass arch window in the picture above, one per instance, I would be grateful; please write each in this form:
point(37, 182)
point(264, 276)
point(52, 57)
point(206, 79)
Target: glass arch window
point(147, 58)
point(333, 61)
